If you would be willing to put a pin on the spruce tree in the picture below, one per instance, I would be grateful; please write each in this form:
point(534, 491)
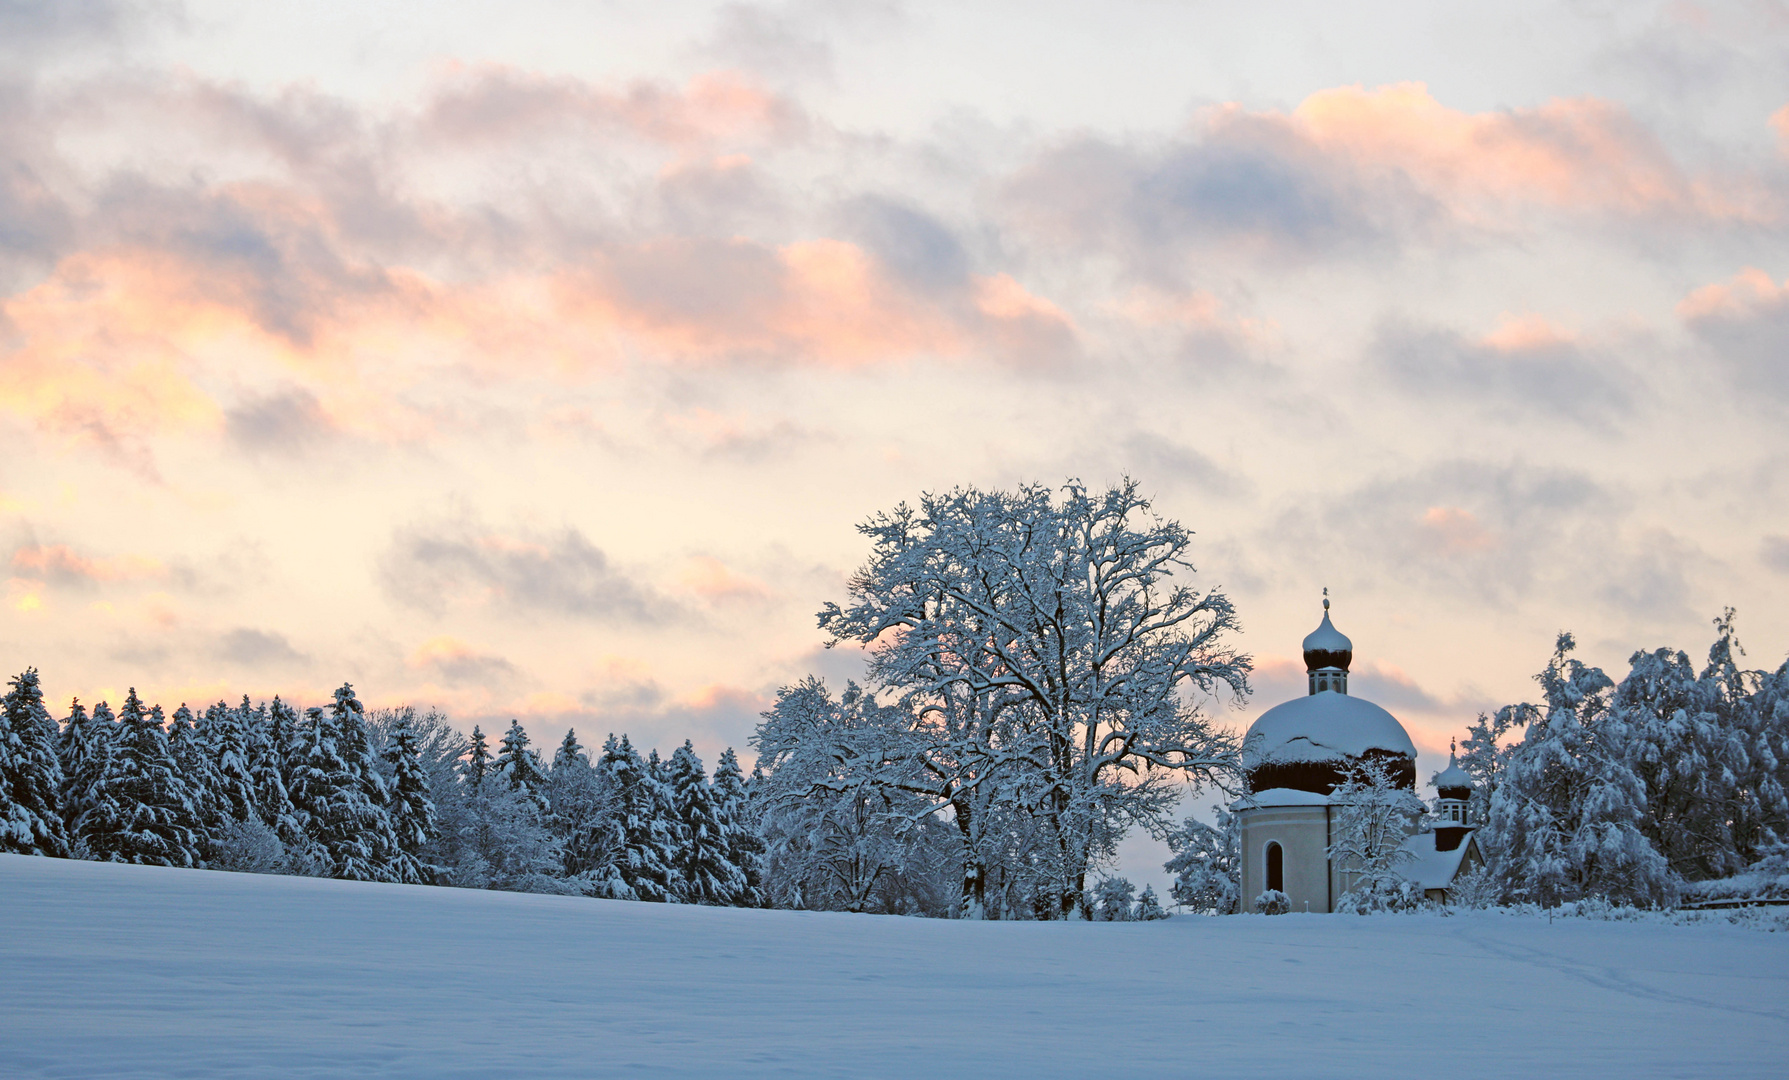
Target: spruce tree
point(745, 848)
point(328, 792)
point(1149, 908)
point(225, 744)
point(375, 852)
point(412, 810)
point(270, 734)
point(30, 774)
point(141, 813)
point(569, 754)
point(579, 807)
point(84, 748)
point(517, 764)
point(196, 774)
point(639, 857)
point(705, 874)
point(478, 760)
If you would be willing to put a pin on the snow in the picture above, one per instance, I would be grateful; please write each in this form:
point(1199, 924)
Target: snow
point(1327, 639)
point(1453, 776)
point(1280, 796)
point(1324, 727)
point(1429, 868)
point(131, 971)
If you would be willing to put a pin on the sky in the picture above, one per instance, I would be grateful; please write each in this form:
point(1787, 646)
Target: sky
point(538, 360)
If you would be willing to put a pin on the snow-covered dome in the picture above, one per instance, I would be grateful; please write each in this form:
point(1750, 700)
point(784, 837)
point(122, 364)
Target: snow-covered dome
point(1452, 782)
point(1311, 743)
point(1327, 647)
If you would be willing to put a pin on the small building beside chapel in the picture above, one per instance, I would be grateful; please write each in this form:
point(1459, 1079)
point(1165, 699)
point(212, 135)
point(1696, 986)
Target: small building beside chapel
point(1294, 756)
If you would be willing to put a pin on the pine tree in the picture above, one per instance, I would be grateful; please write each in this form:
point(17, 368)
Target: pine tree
point(30, 774)
point(330, 791)
point(739, 824)
point(412, 808)
point(82, 747)
point(640, 862)
point(196, 774)
point(141, 813)
point(270, 734)
point(1149, 908)
point(478, 760)
point(377, 840)
point(579, 803)
point(225, 744)
point(518, 764)
point(569, 754)
point(704, 873)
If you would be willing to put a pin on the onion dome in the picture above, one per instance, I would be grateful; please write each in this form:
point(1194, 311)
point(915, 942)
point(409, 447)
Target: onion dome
point(1452, 782)
point(1315, 742)
point(1327, 647)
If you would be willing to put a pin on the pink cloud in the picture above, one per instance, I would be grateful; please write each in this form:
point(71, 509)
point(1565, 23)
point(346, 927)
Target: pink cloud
point(1527, 333)
point(1579, 153)
point(715, 582)
point(1746, 292)
point(491, 103)
point(60, 562)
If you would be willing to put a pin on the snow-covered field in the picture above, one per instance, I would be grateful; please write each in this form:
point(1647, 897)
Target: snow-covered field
point(137, 971)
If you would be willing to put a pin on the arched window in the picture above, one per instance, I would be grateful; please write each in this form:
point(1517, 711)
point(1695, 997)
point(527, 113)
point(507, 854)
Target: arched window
point(1276, 868)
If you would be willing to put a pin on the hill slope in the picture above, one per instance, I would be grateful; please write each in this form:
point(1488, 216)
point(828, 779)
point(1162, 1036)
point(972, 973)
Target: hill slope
point(139, 971)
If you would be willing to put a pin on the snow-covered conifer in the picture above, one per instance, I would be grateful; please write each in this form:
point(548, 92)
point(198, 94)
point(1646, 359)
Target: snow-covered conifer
point(196, 773)
point(738, 822)
point(519, 766)
point(705, 873)
point(82, 747)
point(570, 753)
point(1207, 864)
point(141, 813)
point(412, 809)
point(1149, 907)
point(580, 803)
point(272, 734)
point(640, 860)
point(225, 743)
point(378, 840)
point(350, 831)
point(478, 760)
point(30, 774)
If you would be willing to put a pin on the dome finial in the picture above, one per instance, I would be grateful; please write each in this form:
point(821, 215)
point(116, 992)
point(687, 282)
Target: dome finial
point(1326, 598)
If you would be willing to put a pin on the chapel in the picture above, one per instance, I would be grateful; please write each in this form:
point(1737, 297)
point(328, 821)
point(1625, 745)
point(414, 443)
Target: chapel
point(1294, 756)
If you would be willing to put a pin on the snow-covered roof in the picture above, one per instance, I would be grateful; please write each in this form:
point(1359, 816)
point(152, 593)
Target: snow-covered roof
point(1323, 727)
point(1431, 869)
point(1453, 776)
point(1281, 796)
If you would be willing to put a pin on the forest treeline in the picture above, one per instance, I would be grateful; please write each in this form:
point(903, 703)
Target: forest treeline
point(389, 795)
point(1039, 669)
